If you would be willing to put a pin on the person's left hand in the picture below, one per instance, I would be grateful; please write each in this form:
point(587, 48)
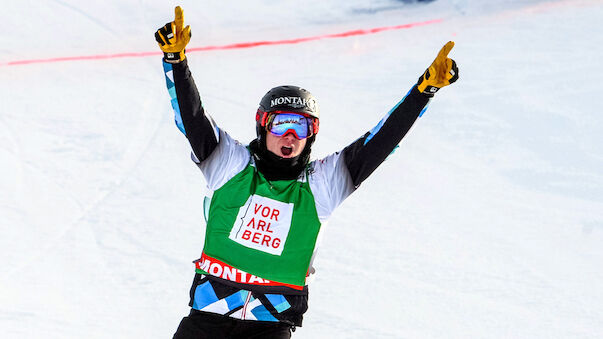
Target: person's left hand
point(442, 72)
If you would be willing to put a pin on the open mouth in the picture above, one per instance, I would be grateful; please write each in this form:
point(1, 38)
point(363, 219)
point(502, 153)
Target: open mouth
point(286, 150)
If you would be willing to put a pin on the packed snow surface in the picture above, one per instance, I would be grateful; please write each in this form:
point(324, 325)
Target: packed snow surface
point(487, 222)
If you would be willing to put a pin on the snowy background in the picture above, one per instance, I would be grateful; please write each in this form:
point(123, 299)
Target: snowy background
point(486, 223)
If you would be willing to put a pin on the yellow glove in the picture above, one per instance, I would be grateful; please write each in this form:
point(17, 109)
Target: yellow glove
point(442, 72)
point(172, 38)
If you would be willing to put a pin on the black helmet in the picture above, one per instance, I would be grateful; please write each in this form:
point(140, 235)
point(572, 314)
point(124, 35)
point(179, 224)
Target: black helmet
point(282, 99)
point(286, 99)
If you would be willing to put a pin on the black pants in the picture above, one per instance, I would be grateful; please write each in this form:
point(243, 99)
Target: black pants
point(202, 325)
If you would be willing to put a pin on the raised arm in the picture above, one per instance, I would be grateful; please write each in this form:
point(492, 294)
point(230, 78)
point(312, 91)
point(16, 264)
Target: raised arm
point(364, 155)
point(190, 116)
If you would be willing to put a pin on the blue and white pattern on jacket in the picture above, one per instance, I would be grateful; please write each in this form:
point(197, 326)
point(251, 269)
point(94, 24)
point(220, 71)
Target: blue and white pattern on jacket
point(171, 86)
point(241, 304)
point(376, 129)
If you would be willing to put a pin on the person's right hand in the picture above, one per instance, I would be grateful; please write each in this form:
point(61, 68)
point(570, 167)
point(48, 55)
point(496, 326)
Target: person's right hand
point(172, 38)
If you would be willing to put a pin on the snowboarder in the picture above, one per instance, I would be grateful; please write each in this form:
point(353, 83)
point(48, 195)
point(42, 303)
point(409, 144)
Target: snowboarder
point(269, 200)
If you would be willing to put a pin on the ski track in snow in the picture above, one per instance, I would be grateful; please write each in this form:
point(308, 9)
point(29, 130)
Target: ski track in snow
point(147, 136)
point(16, 153)
point(88, 16)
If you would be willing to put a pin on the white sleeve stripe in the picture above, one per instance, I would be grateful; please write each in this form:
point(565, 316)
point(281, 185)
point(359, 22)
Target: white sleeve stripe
point(214, 126)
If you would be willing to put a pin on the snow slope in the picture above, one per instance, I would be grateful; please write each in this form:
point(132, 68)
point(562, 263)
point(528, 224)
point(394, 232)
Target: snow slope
point(486, 222)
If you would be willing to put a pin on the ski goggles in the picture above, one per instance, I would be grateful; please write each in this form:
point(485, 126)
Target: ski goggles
point(283, 123)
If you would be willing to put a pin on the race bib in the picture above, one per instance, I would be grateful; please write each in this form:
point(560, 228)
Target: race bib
point(263, 224)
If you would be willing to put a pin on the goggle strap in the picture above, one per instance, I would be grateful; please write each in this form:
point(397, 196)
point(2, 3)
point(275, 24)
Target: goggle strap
point(262, 117)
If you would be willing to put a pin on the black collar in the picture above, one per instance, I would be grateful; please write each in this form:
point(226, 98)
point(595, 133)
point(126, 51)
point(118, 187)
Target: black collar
point(274, 167)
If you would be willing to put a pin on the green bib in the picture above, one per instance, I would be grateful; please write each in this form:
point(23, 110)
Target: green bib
point(266, 229)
